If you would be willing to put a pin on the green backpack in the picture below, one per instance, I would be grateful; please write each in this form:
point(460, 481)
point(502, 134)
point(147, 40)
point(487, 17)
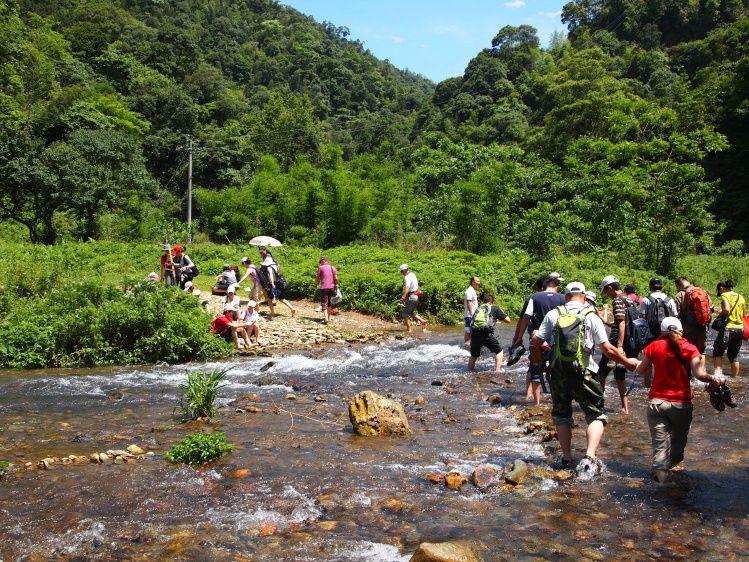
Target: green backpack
point(569, 338)
point(482, 318)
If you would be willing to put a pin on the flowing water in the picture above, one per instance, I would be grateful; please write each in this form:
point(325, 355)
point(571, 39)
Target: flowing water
point(322, 493)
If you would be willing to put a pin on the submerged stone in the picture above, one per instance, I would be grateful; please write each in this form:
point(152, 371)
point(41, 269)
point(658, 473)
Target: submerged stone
point(457, 551)
point(516, 472)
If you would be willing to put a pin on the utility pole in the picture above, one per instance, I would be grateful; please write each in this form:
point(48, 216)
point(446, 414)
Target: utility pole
point(189, 188)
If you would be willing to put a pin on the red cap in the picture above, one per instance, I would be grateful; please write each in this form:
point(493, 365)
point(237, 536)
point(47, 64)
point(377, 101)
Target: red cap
point(178, 248)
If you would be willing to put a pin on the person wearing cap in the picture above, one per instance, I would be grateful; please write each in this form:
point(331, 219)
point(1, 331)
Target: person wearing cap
point(659, 299)
point(230, 330)
point(670, 360)
point(231, 302)
point(539, 305)
point(410, 298)
point(186, 269)
point(577, 381)
point(270, 271)
point(251, 272)
point(224, 280)
point(612, 288)
point(249, 320)
point(168, 269)
point(327, 280)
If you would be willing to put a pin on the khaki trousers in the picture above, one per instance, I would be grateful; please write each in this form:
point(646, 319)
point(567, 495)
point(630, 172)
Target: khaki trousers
point(669, 427)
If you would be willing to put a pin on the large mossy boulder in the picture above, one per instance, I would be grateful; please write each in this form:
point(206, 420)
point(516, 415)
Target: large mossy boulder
point(372, 414)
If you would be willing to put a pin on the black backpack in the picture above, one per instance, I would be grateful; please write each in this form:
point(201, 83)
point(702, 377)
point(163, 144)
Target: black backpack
point(657, 311)
point(637, 333)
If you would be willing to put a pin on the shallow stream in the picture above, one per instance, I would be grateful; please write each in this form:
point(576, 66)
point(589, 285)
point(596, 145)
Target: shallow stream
point(322, 493)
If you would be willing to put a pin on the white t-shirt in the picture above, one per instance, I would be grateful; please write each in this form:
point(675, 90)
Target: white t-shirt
point(250, 317)
point(233, 304)
point(411, 282)
point(670, 305)
point(595, 331)
point(470, 296)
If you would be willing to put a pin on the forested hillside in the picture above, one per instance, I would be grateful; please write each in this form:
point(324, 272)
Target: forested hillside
point(629, 135)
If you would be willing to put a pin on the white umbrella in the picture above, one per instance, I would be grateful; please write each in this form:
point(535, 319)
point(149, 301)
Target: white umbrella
point(265, 241)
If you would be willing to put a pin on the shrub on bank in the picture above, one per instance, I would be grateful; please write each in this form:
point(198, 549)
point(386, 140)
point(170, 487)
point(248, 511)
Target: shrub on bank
point(89, 323)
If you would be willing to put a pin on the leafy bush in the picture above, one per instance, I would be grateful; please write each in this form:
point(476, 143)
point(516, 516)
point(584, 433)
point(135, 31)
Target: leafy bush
point(4, 468)
point(200, 448)
point(199, 394)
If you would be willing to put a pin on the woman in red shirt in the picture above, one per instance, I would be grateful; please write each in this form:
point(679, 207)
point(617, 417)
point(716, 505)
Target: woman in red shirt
point(671, 359)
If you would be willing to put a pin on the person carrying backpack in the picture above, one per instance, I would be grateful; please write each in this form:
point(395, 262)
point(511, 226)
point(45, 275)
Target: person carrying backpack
point(482, 332)
point(657, 306)
point(572, 332)
point(694, 306)
point(275, 284)
point(623, 307)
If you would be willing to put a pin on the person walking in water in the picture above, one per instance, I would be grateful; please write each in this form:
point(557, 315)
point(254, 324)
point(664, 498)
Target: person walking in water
point(694, 306)
point(470, 305)
point(410, 298)
point(730, 328)
point(571, 332)
point(670, 360)
point(327, 280)
point(482, 332)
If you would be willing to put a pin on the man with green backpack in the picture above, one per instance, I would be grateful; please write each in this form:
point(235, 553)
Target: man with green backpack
point(482, 332)
point(571, 332)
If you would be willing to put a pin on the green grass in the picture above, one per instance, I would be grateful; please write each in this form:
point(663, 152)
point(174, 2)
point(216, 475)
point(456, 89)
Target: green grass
point(198, 395)
point(4, 468)
point(200, 448)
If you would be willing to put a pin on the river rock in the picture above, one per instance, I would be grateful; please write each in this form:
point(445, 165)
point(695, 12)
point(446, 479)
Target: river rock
point(420, 400)
point(487, 475)
point(134, 449)
point(455, 480)
point(516, 472)
point(372, 414)
point(454, 551)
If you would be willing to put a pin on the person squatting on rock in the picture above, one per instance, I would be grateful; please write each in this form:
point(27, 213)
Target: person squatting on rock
point(571, 332)
point(671, 360)
point(410, 299)
point(482, 332)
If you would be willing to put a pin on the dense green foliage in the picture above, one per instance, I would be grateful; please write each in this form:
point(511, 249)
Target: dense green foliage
point(198, 395)
point(629, 136)
point(90, 323)
point(4, 467)
point(200, 448)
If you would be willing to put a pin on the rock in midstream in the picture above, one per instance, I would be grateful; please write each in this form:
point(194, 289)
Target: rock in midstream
point(454, 551)
point(516, 472)
point(372, 414)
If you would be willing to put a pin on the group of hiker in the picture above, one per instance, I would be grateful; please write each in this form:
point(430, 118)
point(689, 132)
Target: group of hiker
point(658, 337)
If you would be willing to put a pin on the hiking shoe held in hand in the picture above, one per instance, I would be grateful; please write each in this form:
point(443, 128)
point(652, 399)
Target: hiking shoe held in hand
point(716, 396)
point(514, 354)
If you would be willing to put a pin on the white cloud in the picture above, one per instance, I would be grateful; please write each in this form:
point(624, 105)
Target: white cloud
point(515, 4)
point(397, 39)
point(551, 14)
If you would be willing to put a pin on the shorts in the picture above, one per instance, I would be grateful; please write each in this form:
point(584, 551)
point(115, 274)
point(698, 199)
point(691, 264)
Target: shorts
point(325, 296)
point(696, 335)
point(669, 424)
point(410, 306)
point(539, 363)
point(569, 382)
point(729, 340)
point(468, 324)
point(620, 373)
point(484, 338)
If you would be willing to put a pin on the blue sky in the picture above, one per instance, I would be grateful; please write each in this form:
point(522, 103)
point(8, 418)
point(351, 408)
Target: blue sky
point(435, 38)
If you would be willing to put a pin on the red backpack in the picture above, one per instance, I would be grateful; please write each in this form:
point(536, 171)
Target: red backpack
point(697, 304)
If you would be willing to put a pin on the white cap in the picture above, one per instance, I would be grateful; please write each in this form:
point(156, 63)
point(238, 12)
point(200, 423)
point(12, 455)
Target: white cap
point(188, 285)
point(557, 276)
point(404, 267)
point(574, 288)
point(244, 259)
point(232, 288)
point(251, 304)
point(671, 324)
point(591, 296)
point(608, 280)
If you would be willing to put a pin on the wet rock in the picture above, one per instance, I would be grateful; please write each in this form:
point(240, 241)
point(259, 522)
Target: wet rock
point(267, 366)
point(134, 449)
point(319, 398)
point(372, 414)
point(104, 457)
point(437, 383)
point(517, 472)
point(395, 505)
point(119, 453)
point(420, 400)
point(592, 553)
point(487, 475)
point(242, 473)
point(454, 551)
point(455, 480)
point(327, 525)
point(95, 458)
point(291, 396)
point(494, 400)
point(267, 529)
point(434, 478)
point(558, 475)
